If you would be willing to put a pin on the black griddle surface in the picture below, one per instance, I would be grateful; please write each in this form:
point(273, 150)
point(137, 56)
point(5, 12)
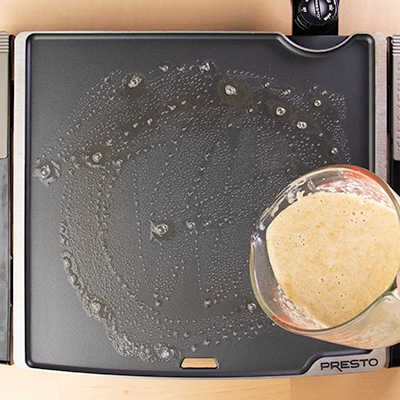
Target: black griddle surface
point(149, 159)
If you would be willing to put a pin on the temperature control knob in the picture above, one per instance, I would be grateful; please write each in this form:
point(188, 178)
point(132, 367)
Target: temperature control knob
point(315, 17)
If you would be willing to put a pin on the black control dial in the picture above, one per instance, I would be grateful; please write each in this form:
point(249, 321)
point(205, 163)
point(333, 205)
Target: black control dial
point(315, 15)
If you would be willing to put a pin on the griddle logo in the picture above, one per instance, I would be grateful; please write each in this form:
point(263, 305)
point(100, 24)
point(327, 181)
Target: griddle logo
point(344, 365)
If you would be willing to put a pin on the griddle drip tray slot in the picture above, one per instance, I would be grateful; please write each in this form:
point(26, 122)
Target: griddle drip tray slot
point(200, 363)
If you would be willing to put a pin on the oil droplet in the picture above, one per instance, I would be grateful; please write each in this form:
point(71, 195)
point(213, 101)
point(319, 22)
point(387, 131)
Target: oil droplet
point(134, 81)
point(134, 85)
point(172, 107)
point(205, 66)
point(252, 307)
point(67, 264)
point(47, 171)
point(194, 348)
point(317, 103)
point(230, 90)
point(158, 303)
point(302, 125)
point(164, 67)
point(208, 69)
point(166, 354)
point(280, 111)
point(207, 303)
point(96, 157)
point(95, 307)
point(191, 224)
point(161, 229)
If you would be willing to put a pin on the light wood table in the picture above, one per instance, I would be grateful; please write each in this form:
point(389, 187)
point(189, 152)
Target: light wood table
point(191, 15)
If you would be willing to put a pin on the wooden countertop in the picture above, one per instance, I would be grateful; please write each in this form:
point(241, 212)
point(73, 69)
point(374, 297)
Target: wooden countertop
point(191, 15)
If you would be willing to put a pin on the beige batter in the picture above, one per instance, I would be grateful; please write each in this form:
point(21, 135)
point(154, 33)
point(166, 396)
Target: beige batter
point(334, 254)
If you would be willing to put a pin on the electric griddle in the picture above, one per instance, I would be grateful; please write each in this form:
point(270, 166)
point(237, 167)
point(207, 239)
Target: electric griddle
point(141, 163)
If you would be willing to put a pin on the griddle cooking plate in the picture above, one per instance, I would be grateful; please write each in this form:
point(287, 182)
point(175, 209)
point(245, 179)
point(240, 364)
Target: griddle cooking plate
point(149, 158)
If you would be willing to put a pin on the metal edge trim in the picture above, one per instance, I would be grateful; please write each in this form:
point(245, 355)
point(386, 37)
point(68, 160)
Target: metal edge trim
point(381, 133)
point(19, 203)
point(4, 94)
point(395, 97)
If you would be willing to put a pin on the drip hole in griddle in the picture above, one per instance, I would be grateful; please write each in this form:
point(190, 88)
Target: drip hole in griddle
point(199, 363)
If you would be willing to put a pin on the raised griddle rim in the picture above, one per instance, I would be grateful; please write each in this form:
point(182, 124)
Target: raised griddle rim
point(20, 119)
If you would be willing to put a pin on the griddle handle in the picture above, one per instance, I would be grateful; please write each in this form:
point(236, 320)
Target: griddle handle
point(393, 356)
point(315, 17)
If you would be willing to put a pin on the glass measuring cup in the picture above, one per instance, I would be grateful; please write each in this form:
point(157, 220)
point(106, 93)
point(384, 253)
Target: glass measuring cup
point(376, 326)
